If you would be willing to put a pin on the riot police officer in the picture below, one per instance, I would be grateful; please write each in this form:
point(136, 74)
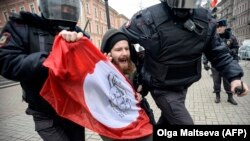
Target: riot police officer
point(233, 46)
point(174, 34)
point(26, 41)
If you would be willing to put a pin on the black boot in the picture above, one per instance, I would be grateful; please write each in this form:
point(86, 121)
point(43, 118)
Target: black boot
point(217, 99)
point(230, 99)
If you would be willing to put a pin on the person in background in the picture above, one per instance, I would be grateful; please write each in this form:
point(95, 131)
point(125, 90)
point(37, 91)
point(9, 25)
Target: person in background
point(26, 41)
point(174, 34)
point(231, 42)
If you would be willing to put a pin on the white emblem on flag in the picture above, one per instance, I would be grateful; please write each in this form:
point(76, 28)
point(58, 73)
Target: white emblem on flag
point(119, 100)
point(109, 97)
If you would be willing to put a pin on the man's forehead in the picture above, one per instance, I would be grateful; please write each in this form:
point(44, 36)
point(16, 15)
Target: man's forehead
point(121, 43)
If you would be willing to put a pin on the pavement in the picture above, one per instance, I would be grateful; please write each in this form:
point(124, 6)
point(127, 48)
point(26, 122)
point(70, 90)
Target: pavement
point(6, 83)
point(15, 125)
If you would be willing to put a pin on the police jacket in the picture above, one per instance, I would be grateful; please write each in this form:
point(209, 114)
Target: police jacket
point(231, 42)
point(27, 41)
point(173, 49)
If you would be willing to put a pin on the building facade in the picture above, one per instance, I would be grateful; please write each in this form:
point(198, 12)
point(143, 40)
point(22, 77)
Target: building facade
point(241, 22)
point(93, 17)
point(15, 6)
point(237, 13)
point(226, 11)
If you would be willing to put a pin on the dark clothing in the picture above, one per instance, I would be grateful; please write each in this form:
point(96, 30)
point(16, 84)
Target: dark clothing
point(173, 51)
point(217, 82)
point(21, 57)
point(55, 128)
point(231, 42)
point(172, 105)
point(232, 45)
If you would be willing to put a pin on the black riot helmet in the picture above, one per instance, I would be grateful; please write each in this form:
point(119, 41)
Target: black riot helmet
point(61, 11)
point(183, 4)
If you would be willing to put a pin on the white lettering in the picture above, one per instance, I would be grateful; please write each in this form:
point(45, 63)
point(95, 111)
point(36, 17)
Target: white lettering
point(160, 132)
point(165, 132)
point(196, 132)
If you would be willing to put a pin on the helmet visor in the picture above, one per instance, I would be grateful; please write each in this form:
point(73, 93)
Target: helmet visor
point(184, 4)
point(63, 10)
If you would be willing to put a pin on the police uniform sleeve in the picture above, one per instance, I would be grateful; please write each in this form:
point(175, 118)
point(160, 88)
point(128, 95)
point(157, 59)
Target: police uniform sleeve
point(218, 54)
point(235, 45)
point(131, 28)
point(16, 61)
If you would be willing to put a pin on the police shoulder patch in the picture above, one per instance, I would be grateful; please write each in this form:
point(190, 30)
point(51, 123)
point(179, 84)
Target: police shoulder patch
point(228, 42)
point(4, 38)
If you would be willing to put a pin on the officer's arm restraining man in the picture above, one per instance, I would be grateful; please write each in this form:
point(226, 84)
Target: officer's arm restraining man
point(26, 41)
point(174, 34)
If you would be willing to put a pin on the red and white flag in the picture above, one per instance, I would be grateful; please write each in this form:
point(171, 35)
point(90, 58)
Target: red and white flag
point(213, 3)
point(86, 88)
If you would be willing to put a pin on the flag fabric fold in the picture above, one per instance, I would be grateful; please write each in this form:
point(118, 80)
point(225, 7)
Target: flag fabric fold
point(86, 88)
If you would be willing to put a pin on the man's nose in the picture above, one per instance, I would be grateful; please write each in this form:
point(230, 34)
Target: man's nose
point(125, 52)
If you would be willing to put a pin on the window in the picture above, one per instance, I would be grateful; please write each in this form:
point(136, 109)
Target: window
point(13, 10)
point(102, 30)
point(87, 7)
point(97, 28)
point(96, 14)
point(22, 8)
point(100, 13)
point(104, 16)
point(6, 15)
point(99, 43)
point(32, 8)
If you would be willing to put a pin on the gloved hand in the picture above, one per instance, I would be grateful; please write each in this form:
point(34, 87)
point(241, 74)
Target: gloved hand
point(207, 67)
point(233, 51)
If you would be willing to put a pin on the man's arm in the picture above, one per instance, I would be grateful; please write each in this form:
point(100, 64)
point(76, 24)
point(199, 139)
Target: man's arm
point(220, 58)
point(133, 28)
point(17, 63)
point(234, 47)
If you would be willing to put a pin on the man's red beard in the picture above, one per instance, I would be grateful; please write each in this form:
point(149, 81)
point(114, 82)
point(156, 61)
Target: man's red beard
point(128, 70)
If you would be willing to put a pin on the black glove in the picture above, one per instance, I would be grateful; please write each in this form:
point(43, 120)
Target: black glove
point(239, 90)
point(144, 91)
point(206, 67)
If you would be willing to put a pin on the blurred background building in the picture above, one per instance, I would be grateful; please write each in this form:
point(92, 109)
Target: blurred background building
point(237, 12)
point(93, 13)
